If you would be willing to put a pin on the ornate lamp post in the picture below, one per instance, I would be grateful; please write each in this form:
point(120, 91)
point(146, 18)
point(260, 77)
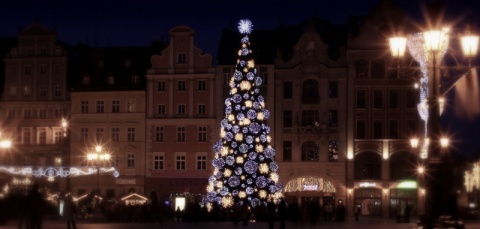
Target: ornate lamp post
point(98, 157)
point(428, 49)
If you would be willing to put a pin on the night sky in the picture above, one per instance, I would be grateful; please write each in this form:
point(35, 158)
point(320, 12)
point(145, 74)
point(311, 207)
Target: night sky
point(138, 22)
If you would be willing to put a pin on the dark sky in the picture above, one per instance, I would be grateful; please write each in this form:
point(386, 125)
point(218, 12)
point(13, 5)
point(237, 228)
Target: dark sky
point(138, 22)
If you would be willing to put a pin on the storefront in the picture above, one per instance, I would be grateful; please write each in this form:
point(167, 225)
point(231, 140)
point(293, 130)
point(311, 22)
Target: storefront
point(368, 197)
point(403, 195)
point(309, 189)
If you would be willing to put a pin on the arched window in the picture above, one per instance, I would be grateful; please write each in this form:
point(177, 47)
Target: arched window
point(378, 69)
point(310, 92)
point(402, 166)
point(310, 151)
point(368, 165)
point(361, 69)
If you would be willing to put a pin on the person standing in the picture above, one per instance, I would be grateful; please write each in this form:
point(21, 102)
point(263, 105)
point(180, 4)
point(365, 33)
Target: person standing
point(282, 212)
point(69, 211)
point(35, 203)
point(340, 213)
point(270, 214)
point(357, 212)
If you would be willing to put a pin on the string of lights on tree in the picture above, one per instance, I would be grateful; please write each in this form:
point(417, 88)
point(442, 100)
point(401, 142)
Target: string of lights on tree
point(245, 172)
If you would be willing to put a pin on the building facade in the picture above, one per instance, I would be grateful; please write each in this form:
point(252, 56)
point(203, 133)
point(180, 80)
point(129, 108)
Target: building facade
point(34, 100)
point(108, 110)
point(382, 117)
point(181, 125)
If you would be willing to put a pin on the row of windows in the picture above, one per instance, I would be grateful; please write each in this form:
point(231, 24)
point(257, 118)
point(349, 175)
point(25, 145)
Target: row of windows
point(394, 131)
point(310, 90)
point(181, 109)
point(127, 63)
point(43, 69)
point(393, 99)
point(180, 161)
point(114, 105)
point(181, 85)
point(42, 91)
point(40, 113)
point(310, 118)
point(310, 151)
point(114, 134)
point(111, 80)
point(159, 134)
point(181, 134)
point(374, 70)
point(368, 165)
point(37, 135)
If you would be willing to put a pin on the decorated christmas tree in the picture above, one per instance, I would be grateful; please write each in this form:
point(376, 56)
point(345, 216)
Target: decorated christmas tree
point(245, 170)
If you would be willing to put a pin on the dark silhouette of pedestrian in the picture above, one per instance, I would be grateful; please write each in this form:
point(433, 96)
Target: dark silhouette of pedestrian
point(178, 214)
point(69, 211)
point(451, 205)
point(271, 214)
point(328, 211)
point(282, 212)
point(407, 213)
point(357, 212)
point(313, 211)
point(35, 203)
point(340, 212)
point(153, 208)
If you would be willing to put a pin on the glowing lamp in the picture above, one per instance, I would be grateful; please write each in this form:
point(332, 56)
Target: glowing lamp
point(5, 144)
point(469, 45)
point(444, 142)
point(414, 142)
point(397, 46)
point(434, 40)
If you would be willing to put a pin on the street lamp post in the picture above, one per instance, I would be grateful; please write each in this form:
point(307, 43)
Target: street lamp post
point(97, 157)
point(429, 50)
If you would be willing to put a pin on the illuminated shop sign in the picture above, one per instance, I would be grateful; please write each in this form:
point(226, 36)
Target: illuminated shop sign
point(367, 184)
point(407, 185)
point(310, 187)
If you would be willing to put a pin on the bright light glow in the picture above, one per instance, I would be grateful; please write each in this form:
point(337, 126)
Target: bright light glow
point(416, 86)
point(421, 170)
point(5, 144)
point(248, 103)
point(239, 137)
point(245, 85)
point(239, 160)
point(262, 194)
point(407, 185)
point(263, 168)
point(245, 26)
point(349, 191)
point(435, 40)
point(444, 142)
point(414, 143)
point(260, 116)
point(441, 103)
point(56, 172)
point(64, 123)
point(180, 203)
point(397, 46)
point(472, 178)
point(469, 45)
point(98, 149)
point(227, 173)
point(259, 148)
point(227, 201)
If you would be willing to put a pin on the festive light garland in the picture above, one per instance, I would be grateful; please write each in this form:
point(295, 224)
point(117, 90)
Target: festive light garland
point(245, 172)
point(416, 47)
point(57, 172)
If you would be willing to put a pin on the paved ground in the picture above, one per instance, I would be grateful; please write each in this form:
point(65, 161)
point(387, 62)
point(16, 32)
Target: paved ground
point(362, 224)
